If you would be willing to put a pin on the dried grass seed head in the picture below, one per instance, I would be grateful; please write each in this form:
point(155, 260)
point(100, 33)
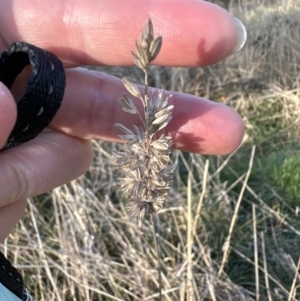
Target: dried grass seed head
point(148, 48)
point(144, 159)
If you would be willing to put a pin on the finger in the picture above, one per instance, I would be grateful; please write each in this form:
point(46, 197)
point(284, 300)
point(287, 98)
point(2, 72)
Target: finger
point(50, 160)
point(195, 33)
point(9, 217)
point(198, 125)
point(8, 113)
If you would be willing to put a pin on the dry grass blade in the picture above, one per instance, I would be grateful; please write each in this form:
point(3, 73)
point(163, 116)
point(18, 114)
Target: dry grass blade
point(293, 291)
point(255, 253)
point(189, 276)
point(227, 242)
point(265, 269)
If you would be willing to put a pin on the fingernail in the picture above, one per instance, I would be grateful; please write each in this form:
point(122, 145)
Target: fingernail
point(3, 90)
point(242, 35)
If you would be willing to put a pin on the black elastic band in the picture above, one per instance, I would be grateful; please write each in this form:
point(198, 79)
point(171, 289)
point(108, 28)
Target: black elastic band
point(10, 277)
point(44, 93)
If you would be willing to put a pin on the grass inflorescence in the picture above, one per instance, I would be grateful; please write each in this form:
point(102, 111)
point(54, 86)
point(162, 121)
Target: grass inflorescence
point(145, 158)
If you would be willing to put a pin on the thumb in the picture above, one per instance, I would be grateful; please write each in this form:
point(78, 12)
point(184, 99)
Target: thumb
point(8, 113)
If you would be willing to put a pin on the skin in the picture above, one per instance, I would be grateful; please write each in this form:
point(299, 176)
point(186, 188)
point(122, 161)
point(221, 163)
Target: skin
point(94, 32)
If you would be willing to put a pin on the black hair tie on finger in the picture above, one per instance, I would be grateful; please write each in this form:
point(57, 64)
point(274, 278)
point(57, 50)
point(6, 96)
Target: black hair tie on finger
point(45, 90)
point(10, 278)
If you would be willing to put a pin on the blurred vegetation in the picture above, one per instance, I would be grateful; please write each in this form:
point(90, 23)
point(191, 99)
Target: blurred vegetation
point(77, 243)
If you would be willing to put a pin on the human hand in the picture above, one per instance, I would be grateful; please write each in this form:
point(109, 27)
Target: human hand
point(94, 32)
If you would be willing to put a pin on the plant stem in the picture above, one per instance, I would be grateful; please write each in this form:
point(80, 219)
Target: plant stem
point(155, 224)
point(146, 103)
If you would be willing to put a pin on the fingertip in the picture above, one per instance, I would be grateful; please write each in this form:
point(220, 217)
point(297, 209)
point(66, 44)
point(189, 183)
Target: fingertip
point(206, 127)
point(8, 113)
point(204, 34)
point(231, 132)
point(224, 130)
point(220, 35)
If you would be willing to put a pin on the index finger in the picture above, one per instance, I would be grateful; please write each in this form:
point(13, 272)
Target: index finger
point(94, 32)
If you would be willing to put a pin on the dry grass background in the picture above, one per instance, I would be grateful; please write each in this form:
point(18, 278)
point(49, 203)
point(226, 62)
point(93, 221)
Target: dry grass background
point(230, 230)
